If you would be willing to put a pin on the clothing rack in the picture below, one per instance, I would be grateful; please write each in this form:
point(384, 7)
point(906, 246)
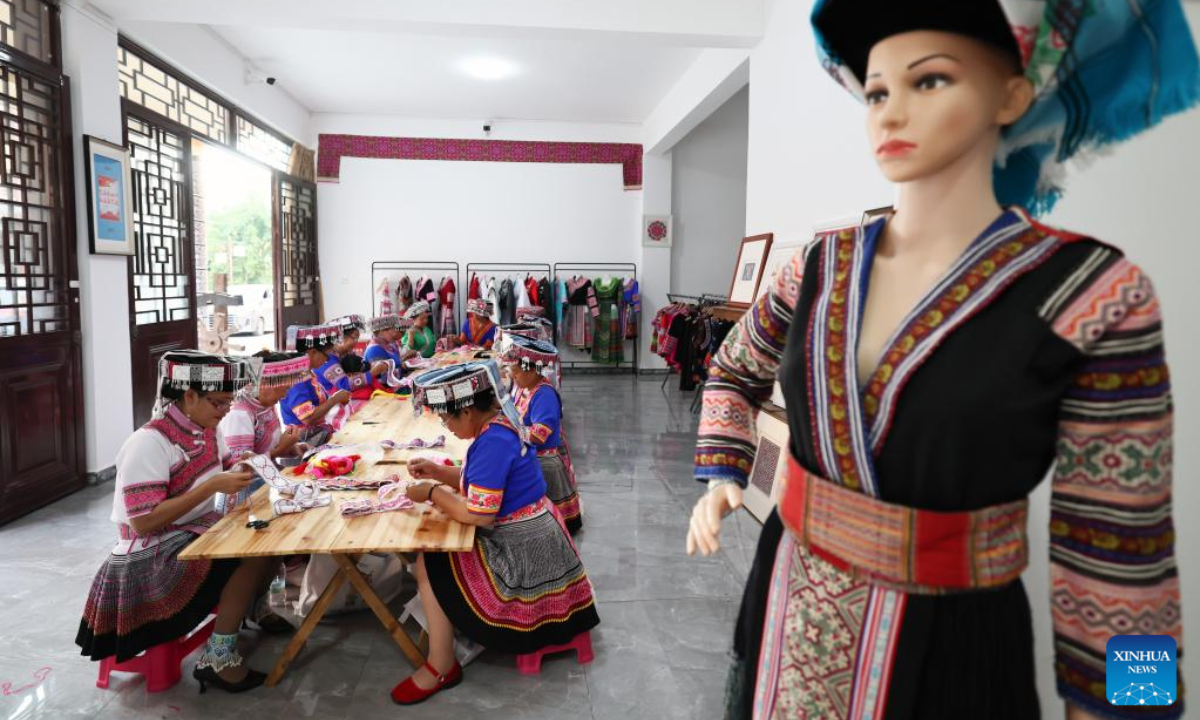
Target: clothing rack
point(628, 270)
point(422, 267)
point(501, 269)
point(701, 301)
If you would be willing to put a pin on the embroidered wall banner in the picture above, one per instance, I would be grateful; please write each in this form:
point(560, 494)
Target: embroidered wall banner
point(332, 148)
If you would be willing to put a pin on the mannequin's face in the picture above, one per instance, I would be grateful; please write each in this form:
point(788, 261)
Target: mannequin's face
point(936, 99)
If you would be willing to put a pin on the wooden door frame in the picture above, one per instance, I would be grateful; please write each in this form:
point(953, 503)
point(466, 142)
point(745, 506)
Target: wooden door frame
point(277, 247)
point(76, 456)
point(130, 109)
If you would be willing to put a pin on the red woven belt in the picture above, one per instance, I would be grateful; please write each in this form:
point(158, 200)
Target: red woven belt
point(917, 551)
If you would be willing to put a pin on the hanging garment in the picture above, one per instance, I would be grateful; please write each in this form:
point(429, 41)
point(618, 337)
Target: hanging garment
point(447, 316)
point(1037, 350)
point(523, 301)
point(383, 297)
point(404, 294)
point(508, 303)
point(473, 290)
point(531, 289)
point(493, 297)
point(561, 298)
point(578, 318)
point(608, 343)
point(545, 299)
point(631, 310)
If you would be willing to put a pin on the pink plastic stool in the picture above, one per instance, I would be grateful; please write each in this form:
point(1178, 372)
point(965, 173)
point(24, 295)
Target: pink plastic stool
point(531, 663)
point(159, 664)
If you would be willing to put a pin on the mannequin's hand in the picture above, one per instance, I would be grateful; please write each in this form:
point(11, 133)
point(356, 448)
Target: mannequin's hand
point(704, 534)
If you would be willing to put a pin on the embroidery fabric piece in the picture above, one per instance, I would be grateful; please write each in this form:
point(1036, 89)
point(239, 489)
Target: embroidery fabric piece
point(286, 496)
point(389, 498)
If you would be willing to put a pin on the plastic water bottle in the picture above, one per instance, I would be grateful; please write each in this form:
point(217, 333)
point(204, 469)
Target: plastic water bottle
point(278, 586)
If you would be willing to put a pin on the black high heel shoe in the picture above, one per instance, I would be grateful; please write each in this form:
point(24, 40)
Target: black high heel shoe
point(207, 676)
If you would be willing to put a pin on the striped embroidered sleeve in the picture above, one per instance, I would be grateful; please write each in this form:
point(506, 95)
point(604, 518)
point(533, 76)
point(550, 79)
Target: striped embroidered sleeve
point(741, 377)
point(1112, 539)
point(237, 430)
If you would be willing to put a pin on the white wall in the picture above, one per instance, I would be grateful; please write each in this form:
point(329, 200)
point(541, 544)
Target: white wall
point(714, 77)
point(809, 162)
point(204, 56)
point(408, 210)
point(708, 197)
point(89, 59)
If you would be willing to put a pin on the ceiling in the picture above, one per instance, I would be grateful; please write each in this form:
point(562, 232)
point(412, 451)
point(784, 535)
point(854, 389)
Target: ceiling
point(574, 60)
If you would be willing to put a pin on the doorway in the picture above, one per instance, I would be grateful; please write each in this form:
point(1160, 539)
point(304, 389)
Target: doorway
point(235, 271)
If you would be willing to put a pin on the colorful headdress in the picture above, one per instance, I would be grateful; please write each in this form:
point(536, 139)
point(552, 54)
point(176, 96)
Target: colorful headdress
point(350, 323)
point(1101, 72)
point(479, 306)
point(191, 369)
point(385, 322)
point(317, 336)
point(280, 370)
point(530, 353)
point(416, 309)
point(453, 388)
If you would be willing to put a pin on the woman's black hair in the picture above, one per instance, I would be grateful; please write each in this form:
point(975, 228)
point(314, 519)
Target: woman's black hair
point(352, 363)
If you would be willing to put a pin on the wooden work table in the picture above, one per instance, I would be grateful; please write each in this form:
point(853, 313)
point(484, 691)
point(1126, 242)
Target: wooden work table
point(323, 530)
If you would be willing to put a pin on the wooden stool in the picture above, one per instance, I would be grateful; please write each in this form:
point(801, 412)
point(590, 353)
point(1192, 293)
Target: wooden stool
point(531, 663)
point(159, 664)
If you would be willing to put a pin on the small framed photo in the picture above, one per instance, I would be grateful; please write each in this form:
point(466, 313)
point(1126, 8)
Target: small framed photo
point(748, 272)
point(110, 198)
point(656, 231)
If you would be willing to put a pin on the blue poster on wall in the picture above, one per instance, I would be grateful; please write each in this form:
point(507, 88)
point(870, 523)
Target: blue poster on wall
point(109, 186)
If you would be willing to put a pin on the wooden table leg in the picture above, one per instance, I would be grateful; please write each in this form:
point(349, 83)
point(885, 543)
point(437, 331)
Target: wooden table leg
point(394, 628)
point(306, 628)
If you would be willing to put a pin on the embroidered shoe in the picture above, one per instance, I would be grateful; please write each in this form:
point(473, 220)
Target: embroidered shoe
point(408, 693)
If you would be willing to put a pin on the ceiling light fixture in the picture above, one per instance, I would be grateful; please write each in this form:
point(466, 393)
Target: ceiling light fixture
point(488, 68)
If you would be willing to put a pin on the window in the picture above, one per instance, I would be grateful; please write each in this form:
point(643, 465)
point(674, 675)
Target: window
point(154, 89)
point(263, 145)
point(25, 25)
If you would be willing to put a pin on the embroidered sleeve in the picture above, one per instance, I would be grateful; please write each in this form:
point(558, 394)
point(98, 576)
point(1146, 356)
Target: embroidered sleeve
point(544, 416)
point(1112, 539)
point(143, 473)
point(304, 410)
point(237, 432)
point(741, 377)
point(489, 460)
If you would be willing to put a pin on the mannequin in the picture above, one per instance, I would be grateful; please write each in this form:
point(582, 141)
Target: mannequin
point(910, 417)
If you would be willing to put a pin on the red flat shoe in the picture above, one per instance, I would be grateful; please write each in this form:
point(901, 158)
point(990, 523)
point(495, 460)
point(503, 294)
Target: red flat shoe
point(408, 693)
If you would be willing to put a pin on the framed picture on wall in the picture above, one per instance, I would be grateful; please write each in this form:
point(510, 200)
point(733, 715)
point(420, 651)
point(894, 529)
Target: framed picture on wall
point(110, 198)
point(748, 272)
point(656, 231)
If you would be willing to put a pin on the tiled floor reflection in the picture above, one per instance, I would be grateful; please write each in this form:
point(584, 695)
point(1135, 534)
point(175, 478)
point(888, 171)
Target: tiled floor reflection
point(661, 648)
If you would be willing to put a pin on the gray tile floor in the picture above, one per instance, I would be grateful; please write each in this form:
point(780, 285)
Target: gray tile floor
point(661, 648)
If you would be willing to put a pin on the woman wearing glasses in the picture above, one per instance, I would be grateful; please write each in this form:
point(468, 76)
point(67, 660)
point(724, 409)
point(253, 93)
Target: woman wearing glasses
point(167, 474)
